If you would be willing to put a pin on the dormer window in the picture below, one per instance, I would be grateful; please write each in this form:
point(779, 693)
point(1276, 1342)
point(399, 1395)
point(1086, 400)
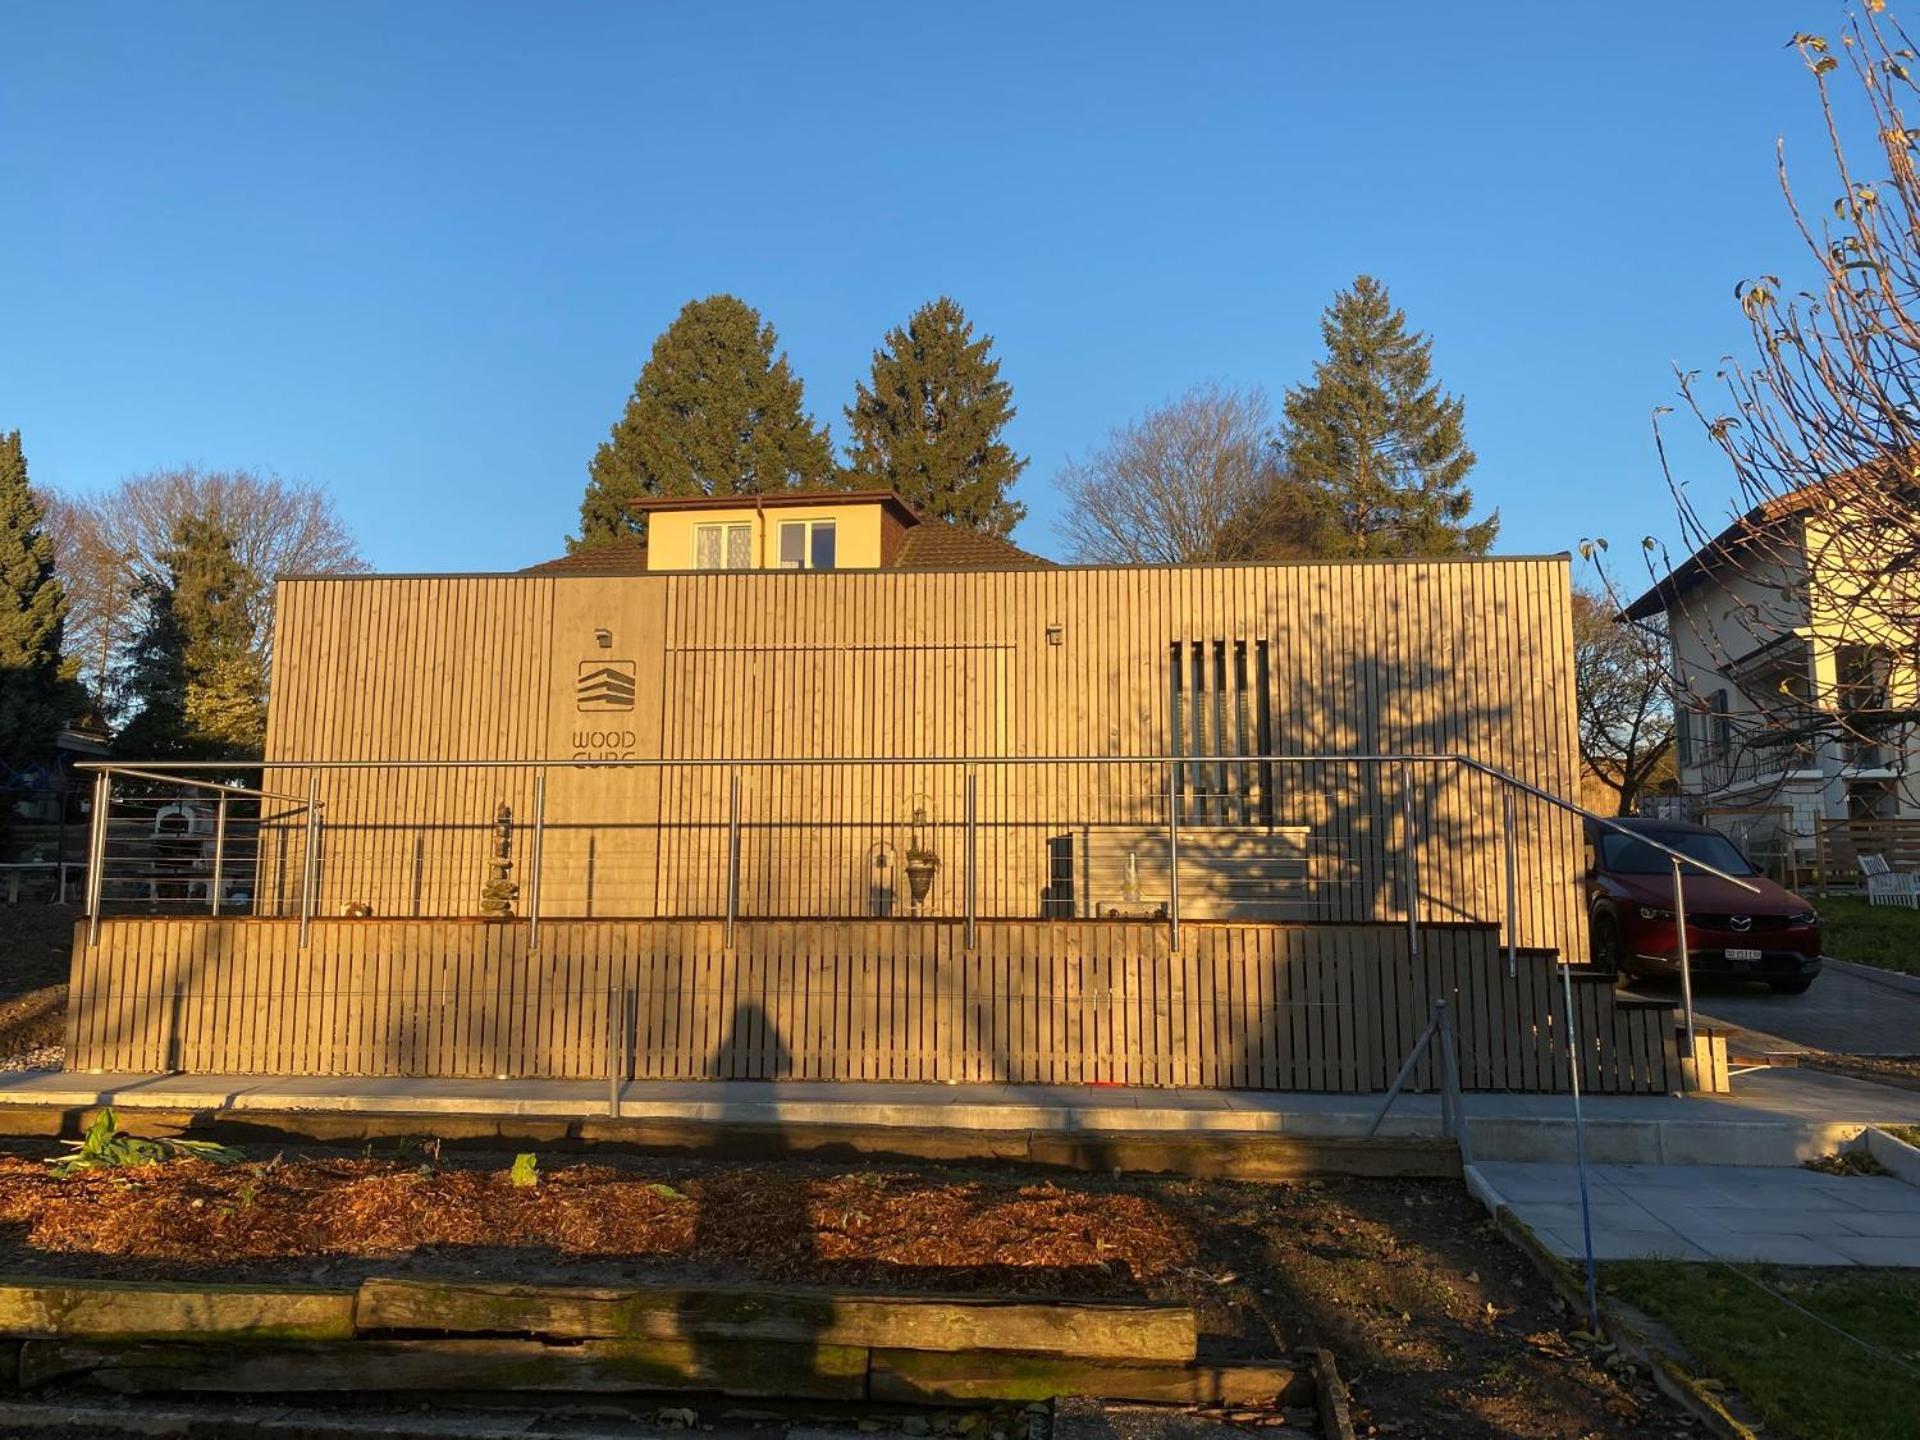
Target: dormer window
point(723, 547)
point(806, 544)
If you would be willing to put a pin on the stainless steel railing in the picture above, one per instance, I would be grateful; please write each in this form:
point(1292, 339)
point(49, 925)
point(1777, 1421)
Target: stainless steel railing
point(1164, 836)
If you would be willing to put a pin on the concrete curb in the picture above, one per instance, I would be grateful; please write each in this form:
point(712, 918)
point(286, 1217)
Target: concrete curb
point(1709, 1139)
point(1635, 1334)
point(1901, 1159)
point(1775, 1143)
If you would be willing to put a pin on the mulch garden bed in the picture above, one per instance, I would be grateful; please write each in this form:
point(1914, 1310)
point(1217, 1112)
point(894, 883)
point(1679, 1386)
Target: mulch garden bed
point(1439, 1326)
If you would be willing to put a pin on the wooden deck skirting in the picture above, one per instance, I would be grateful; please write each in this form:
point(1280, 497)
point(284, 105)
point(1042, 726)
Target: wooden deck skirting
point(1079, 1002)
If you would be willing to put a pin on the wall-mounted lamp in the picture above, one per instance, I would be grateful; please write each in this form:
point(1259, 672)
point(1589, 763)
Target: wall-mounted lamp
point(1056, 632)
point(604, 638)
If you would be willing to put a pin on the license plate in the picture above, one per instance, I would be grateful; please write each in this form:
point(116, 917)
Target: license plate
point(1743, 954)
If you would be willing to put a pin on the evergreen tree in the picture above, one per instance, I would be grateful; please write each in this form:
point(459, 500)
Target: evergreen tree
point(1377, 443)
point(929, 424)
point(714, 412)
point(193, 669)
point(34, 698)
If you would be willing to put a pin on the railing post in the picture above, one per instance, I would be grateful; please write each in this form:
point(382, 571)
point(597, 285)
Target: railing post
point(733, 854)
point(97, 854)
point(534, 861)
point(1580, 1149)
point(1408, 864)
point(1173, 858)
point(310, 859)
point(219, 856)
point(616, 1046)
point(1686, 958)
point(1513, 886)
point(972, 840)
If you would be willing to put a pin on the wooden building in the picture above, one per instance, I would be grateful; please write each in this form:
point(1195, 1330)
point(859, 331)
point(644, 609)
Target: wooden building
point(805, 786)
point(939, 645)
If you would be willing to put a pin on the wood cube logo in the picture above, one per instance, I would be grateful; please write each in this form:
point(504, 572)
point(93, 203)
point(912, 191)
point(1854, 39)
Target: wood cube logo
point(605, 685)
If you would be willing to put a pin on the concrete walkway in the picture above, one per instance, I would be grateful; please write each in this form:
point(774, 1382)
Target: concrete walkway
point(1702, 1212)
point(1776, 1117)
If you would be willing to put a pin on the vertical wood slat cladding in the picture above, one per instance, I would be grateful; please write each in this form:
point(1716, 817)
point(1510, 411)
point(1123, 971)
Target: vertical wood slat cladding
point(1424, 657)
point(1265, 1007)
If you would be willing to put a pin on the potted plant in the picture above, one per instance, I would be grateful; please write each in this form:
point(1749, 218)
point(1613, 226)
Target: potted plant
point(921, 863)
point(921, 866)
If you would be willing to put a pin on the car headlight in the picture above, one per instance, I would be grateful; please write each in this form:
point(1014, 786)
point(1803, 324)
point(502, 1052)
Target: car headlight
point(1804, 917)
point(1647, 912)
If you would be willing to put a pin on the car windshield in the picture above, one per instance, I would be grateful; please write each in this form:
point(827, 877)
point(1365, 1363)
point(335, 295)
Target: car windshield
point(1628, 855)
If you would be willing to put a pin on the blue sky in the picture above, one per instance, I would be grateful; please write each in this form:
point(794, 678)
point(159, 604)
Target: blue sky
point(417, 254)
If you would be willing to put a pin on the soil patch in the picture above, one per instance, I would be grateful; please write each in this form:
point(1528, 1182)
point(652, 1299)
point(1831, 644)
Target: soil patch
point(36, 943)
point(1438, 1325)
point(36, 946)
point(32, 1029)
point(1899, 1070)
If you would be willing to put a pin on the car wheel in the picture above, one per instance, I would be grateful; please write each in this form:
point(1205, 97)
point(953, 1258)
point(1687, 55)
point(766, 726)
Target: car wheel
point(1607, 950)
point(1789, 987)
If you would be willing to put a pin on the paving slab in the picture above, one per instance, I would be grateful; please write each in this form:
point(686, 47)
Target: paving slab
point(1733, 1213)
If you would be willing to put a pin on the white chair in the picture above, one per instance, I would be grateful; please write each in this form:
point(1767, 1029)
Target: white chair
point(1887, 887)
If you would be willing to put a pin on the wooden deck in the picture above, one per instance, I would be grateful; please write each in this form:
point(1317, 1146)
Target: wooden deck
point(1063, 1002)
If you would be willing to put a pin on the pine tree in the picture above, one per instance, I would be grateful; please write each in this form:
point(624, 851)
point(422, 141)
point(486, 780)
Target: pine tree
point(194, 671)
point(929, 424)
point(34, 699)
point(715, 412)
point(1377, 443)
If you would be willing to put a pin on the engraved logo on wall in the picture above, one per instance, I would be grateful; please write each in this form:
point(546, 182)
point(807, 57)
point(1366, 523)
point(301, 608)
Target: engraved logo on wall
point(605, 685)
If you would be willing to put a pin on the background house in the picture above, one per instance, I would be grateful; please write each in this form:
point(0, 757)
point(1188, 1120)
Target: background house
point(1794, 688)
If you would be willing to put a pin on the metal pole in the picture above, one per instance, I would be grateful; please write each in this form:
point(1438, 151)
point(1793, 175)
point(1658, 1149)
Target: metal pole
point(616, 1028)
point(1686, 958)
point(97, 854)
point(1407, 865)
point(1580, 1153)
point(1449, 1046)
point(1406, 1069)
point(307, 867)
point(733, 855)
point(1513, 891)
point(1173, 860)
point(539, 854)
point(219, 856)
point(972, 844)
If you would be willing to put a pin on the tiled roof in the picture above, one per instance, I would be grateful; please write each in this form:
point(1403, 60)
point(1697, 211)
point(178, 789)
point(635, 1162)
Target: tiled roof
point(1756, 527)
point(941, 545)
point(625, 556)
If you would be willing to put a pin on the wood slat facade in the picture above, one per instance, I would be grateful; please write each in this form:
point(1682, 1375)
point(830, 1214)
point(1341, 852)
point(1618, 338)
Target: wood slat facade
point(1471, 657)
point(1059, 1002)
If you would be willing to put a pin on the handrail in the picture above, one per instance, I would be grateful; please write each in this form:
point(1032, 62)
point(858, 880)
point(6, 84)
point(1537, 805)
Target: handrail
point(563, 762)
point(1598, 819)
point(706, 762)
point(312, 805)
point(140, 772)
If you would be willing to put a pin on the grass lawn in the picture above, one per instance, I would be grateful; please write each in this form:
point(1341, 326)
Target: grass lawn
point(1883, 935)
point(1804, 1380)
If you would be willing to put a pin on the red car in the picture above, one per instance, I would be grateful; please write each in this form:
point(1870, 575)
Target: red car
point(1768, 934)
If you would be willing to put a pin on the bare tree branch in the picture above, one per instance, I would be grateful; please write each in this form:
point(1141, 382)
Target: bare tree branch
point(1190, 481)
point(105, 545)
